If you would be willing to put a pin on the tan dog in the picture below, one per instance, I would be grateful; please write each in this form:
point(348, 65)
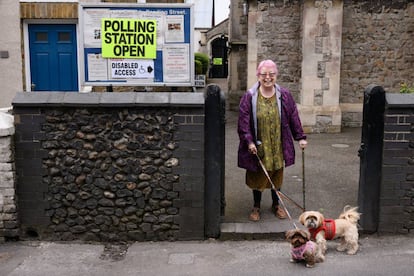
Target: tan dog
point(344, 227)
point(302, 248)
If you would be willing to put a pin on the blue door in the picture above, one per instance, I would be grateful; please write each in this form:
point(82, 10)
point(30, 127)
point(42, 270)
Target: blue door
point(53, 57)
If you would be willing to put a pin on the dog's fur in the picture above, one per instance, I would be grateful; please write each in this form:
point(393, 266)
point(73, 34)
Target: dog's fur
point(346, 229)
point(298, 238)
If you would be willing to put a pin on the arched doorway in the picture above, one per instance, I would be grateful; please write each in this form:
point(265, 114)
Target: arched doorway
point(219, 62)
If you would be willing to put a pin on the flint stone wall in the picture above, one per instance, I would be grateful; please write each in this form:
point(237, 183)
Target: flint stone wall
point(110, 166)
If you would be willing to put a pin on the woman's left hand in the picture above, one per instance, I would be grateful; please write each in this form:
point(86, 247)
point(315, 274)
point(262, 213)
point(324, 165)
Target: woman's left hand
point(252, 148)
point(303, 143)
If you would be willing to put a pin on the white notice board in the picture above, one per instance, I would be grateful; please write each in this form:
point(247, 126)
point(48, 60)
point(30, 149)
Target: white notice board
point(136, 44)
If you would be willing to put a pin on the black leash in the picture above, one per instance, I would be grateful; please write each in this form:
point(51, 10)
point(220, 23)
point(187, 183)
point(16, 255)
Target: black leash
point(303, 178)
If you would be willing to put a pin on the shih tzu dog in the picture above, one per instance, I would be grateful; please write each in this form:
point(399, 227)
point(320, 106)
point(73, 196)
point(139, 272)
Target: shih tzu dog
point(344, 227)
point(302, 248)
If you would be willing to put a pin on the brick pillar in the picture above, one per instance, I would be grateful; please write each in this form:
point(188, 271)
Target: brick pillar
point(397, 185)
point(8, 210)
point(29, 172)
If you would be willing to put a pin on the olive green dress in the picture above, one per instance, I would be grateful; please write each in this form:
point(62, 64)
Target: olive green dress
point(270, 151)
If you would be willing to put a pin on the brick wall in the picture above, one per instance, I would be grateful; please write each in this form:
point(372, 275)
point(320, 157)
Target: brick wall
point(377, 46)
point(279, 39)
point(110, 166)
point(397, 186)
point(49, 10)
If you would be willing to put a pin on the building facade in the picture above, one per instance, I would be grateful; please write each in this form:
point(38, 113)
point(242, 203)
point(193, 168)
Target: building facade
point(327, 52)
point(10, 52)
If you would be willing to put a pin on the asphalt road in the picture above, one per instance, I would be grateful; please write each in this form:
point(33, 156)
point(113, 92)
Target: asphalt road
point(378, 255)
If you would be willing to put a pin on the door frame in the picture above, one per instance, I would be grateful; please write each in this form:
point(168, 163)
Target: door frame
point(27, 64)
point(210, 51)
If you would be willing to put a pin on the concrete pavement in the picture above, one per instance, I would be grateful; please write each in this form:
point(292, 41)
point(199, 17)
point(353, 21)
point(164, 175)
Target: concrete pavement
point(378, 255)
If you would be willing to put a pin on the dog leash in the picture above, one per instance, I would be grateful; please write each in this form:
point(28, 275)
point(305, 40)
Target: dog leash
point(291, 200)
point(279, 193)
point(273, 186)
point(303, 179)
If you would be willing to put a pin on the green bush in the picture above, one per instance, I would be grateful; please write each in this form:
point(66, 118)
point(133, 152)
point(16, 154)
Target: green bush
point(405, 88)
point(198, 67)
point(204, 60)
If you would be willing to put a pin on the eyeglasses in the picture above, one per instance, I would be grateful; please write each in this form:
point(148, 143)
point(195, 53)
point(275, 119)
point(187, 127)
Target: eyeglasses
point(270, 74)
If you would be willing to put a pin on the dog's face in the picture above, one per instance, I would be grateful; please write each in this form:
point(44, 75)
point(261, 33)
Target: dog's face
point(297, 237)
point(311, 219)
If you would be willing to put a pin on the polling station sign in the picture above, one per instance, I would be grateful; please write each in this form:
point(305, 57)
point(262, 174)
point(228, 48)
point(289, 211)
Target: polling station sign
point(136, 44)
point(129, 38)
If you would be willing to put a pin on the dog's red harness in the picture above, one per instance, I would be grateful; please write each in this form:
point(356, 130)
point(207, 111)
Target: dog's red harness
point(328, 226)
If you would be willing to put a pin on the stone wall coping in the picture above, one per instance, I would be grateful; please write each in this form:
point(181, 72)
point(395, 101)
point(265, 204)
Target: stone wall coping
point(400, 100)
point(6, 124)
point(108, 99)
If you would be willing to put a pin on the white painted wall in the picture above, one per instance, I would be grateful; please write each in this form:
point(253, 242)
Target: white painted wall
point(10, 44)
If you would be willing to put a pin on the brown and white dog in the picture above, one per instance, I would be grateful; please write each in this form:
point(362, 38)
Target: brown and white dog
point(302, 248)
point(344, 227)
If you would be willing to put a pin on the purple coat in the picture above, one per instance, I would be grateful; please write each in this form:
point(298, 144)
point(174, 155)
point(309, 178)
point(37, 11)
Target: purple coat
point(291, 127)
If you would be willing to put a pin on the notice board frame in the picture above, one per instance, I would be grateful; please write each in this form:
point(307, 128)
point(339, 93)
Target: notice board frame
point(174, 62)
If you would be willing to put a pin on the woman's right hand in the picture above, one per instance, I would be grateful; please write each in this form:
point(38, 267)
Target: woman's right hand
point(252, 148)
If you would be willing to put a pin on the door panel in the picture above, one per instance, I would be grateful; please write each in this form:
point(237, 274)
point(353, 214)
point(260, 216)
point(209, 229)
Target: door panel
point(219, 68)
point(40, 73)
point(53, 57)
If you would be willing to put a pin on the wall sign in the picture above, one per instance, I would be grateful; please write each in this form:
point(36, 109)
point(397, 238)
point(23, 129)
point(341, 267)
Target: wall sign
point(136, 44)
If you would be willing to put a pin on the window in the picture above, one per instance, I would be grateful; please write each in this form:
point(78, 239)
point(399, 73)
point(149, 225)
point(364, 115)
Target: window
point(64, 37)
point(41, 37)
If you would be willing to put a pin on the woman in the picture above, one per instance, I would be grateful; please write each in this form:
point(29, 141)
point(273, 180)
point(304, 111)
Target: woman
point(268, 123)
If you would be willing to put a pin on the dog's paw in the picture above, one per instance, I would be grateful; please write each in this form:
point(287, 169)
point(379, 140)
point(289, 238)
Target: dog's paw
point(293, 260)
point(352, 251)
point(320, 258)
point(341, 247)
point(310, 265)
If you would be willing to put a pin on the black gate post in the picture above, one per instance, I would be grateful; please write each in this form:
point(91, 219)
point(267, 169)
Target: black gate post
point(214, 159)
point(370, 154)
